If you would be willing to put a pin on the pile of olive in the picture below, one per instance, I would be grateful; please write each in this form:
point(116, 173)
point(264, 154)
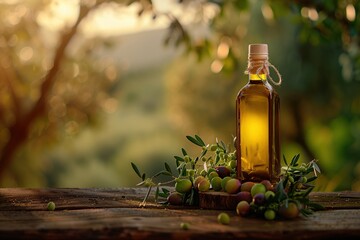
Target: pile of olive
point(252, 198)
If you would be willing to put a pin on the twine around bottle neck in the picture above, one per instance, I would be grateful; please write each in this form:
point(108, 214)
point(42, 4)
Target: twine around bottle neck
point(263, 65)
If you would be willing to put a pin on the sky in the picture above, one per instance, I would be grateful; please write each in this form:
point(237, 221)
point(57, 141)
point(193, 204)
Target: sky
point(112, 19)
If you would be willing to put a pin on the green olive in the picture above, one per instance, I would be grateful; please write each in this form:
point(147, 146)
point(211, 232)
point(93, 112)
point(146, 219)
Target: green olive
point(270, 214)
point(184, 225)
point(51, 206)
point(183, 186)
point(223, 218)
point(216, 183)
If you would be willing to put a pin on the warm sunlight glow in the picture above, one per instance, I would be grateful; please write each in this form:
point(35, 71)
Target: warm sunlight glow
point(313, 14)
point(304, 12)
point(26, 53)
point(267, 12)
point(350, 12)
point(216, 66)
point(15, 16)
point(110, 105)
point(111, 72)
point(111, 19)
point(223, 50)
point(310, 13)
point(59, 14)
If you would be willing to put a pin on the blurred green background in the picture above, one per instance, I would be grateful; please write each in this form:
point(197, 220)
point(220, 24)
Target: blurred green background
point(86, 87)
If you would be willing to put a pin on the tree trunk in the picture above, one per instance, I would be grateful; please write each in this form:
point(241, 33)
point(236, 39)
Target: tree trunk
point(19, 130)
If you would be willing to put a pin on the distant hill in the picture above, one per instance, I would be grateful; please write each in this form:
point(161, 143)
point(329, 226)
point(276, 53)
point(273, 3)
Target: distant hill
point(141, 50)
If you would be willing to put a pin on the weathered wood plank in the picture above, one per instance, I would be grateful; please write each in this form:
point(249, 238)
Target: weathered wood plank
point(70, 198)
point(114, 213)
point(337, 200)
point(330, 200)
point(144, 223)
point(75, 198)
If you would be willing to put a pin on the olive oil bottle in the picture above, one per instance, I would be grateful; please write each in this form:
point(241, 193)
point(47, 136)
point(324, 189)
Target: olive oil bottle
point(257, 122)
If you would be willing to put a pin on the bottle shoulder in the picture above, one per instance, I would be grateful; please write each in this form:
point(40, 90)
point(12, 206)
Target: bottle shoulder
point(258, 88)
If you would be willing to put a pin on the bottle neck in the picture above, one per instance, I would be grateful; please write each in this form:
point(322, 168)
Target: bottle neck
point(257, 70)
point(253, 77)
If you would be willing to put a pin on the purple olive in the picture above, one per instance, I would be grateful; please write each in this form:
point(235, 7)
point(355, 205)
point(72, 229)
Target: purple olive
point(246, 186)
point(175, 198)
point(233, 186)
point(259, 198)
point(223, 171)
point(243, 208)
point(289, 212)
point(257, 188)
point(243, 196)
point(267, 184)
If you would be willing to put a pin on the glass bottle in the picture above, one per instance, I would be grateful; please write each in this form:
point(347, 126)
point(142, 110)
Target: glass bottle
point(257, 122)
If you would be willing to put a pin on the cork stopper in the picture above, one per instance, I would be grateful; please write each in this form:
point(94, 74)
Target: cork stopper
point(258, 49)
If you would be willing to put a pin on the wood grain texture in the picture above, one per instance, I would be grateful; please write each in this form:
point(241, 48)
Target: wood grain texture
point(70, 198)
point(330, 200)
point(115, 214)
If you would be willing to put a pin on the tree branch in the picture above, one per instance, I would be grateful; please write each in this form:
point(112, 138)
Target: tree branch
point(20, 128)
point(10, 78)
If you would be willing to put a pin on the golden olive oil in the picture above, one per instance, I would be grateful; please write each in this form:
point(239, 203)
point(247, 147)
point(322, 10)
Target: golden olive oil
point(257, 123)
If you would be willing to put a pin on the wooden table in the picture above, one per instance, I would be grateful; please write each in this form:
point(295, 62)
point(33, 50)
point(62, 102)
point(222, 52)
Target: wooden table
point(115, 214)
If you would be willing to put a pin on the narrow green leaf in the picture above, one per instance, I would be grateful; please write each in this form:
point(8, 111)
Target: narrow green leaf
point(180, 159)
point(284, 158)
point(315, 206)
point(280, 194)
point(308, 170)
point(192, 196)
point(163, 195)
point(311, 179)
point(306, 212)
point(166, 173)
point(203, 153)
point(294, 160)
point(223, 146)
point(308, 185)
point(143, 176)
point(183, 152)
point(195, 161)
point(200, 140)
point(193, 140)
point(167, 167)
point(177, 166)
point(166, 191)
point(136, 169)
point(308, 191)
point(185, 198)
point(183, 170)
point(217, 159)
point(220, 146)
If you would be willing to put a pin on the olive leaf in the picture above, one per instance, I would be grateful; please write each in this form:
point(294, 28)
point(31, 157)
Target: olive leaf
point(284, 158)
point(183, 152)
point(167, 167)
point(294, 160)
point(195, 141)
point(200, 141)
point(136, 169)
